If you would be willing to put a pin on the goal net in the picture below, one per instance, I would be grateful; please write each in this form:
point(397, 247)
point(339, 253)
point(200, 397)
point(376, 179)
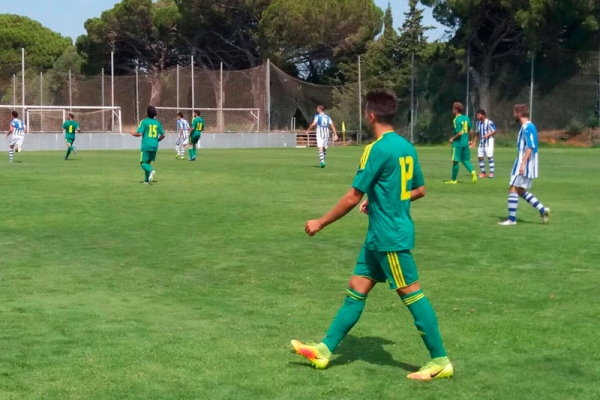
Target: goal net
point(49, 119)
point(221, 120)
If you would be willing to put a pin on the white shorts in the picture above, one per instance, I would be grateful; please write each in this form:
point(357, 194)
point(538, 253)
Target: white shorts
point(182, 142)
point(486, 151)
point(521, 182)
point(16, 141)
point(322, 141)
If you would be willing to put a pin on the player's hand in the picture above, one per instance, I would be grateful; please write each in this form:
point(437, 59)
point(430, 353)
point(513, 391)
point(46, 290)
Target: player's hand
point(451, 140)
point(522, 170)
point(336, 138)
point(313, 226)
point(364, 207)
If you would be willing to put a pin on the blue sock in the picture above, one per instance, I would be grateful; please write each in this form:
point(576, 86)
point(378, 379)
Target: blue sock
point(534, 202)
point(513, 202)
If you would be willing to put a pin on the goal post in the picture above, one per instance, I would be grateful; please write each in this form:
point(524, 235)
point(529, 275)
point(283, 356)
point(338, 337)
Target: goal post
point(49, 119)
point(219, 120)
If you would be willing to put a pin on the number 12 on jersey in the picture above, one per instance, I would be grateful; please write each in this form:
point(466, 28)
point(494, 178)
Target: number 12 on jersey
point(407, 167)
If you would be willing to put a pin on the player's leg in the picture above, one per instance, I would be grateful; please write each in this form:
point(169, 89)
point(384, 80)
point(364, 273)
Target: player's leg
point(489, 152)
point(325, 146)
point(145, 160)
point(466, 160)
point(69, 149)
point(321, 146)
point(11, 150)
point(480, 156)
point(513, 200)
point(366, 275)
point(455, 167)
point(402, 274)
point(535, 203)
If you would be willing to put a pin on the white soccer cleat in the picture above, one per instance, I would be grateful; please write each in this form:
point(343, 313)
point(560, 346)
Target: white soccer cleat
point(545, 215)
point(507, 222)
point(151, 177)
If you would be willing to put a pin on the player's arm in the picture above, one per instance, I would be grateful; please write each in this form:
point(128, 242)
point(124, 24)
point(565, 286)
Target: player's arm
point(314, 123)
point(335, 135)
point(458, 133)
point(493, 132)
point(161, 133)
point(78, 130)
point(343, 207)
point(530, 146)
point(11, 128)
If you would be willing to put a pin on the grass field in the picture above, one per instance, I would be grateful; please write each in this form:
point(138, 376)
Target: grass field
point(194, 286)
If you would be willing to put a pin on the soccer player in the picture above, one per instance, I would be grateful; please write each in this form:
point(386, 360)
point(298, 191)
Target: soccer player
point(151, 132)
point(460, 143)
point(16, 131)
point(525, 169)
point(70, 127)
point(486, 129)
point(390, 175)
point(183, 129)
point(195, 135)
point(323, 122)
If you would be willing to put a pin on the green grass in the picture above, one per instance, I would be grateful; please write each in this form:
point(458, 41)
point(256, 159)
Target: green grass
point(194, 286)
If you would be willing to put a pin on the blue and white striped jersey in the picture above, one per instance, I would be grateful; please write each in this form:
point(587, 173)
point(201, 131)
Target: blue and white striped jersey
point(483, 128)
point(528, 139)
point(183, 127)
point(18, 127)
point(323, 121)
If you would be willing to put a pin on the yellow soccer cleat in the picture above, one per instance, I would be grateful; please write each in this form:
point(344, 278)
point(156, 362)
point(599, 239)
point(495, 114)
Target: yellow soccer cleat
point(451, 182)
point(312, 353)
point(474, 177)
point(432, 370)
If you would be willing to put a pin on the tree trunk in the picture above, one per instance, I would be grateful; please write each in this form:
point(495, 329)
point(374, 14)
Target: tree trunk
point(156, 91)
point(484, 83)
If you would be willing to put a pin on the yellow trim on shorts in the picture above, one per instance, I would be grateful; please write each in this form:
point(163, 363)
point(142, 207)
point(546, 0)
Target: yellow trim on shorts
point(141, 156)
point(396, 269)
point(453, 153)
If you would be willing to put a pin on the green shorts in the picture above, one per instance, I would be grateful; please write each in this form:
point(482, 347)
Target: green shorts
point(70, 140)
point(396, 267)
point(461, 154)
point(147, 156)
point(195, 138)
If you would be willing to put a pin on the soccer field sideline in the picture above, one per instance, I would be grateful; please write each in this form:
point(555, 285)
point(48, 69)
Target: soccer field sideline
point(194, 286)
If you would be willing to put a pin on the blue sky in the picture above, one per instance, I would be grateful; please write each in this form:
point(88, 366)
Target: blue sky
point(68, 16)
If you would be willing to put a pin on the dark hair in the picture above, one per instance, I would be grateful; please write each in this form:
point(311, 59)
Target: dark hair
point(522, 110)
point(383, 103)
point(71, 116)
point(458, 107)
point(197, 112)
point(482, 112)
point(321, 108)
point(151, 111)
point(180, 114)
point(15, 114)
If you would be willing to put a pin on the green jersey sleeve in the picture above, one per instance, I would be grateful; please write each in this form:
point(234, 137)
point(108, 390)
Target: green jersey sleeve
point(75, 126)
point(418, 179)
point(369, 169)
point(141, 127)
point(65, 126)
point(161, 131)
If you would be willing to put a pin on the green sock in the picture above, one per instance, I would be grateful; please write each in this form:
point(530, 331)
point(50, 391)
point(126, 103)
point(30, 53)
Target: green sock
point(345, 319)
point(191, 151)
point(195, 152)
point(426, 322)
point(69, 151)
point(454, 171)
point(468, 166)
point(147, 169)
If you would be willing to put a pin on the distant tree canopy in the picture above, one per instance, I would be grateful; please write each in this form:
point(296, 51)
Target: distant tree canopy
point(43, 45)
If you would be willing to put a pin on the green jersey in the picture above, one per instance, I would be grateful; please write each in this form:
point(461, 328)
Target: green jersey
point(151, 131)
point(197, 125)
point(70, 127)
point(389, 170)
point(462, 125)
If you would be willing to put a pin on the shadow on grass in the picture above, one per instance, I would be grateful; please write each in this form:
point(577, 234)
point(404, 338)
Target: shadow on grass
point(519, 220)
point(369, 349)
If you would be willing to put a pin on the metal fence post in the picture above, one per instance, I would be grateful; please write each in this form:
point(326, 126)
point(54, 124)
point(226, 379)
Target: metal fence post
point(177, 87)
point(14, 89)
point(23, 81)
point(70, 92)
point(268, 113)
point(137, 93)
point(192, 65)
point(112, 91)
point(103, 104)
point(468, 78)
point(531, 88)
point(359, 137)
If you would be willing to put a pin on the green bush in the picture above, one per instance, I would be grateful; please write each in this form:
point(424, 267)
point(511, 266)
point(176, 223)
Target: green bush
point(575, 127)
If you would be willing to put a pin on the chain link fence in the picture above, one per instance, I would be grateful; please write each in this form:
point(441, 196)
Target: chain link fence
point(562, 88)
